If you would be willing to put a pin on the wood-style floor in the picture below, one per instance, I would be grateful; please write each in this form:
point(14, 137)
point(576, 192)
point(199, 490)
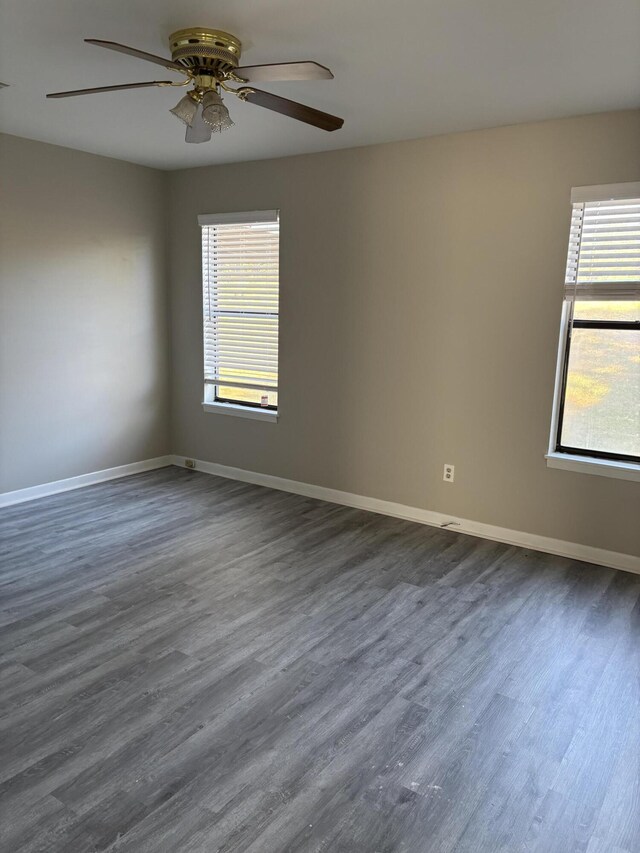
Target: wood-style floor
point(196, 664)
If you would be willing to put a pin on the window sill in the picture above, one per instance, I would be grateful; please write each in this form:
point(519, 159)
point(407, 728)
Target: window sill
point(241, 411)
point(591, 465)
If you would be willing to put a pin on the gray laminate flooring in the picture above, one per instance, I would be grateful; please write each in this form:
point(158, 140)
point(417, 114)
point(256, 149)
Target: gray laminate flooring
point(195, 664)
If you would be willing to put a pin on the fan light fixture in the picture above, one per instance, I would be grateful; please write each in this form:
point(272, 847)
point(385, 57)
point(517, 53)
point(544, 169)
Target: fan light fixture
point(185, 110)
point(209, 62)
point(214, 112)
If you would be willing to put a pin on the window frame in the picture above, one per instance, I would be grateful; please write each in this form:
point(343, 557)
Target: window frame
point(617, 465)
point(558, 446)
point(218, 399)
point(212, 400)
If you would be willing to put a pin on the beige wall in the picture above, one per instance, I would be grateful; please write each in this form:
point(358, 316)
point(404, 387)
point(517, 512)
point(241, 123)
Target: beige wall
point(421, 290)
point(83, 313)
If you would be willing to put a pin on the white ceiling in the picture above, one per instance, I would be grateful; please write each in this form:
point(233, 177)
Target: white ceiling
point(403, 69)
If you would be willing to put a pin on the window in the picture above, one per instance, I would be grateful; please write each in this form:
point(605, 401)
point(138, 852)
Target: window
point(240, 256)
point(597, 406)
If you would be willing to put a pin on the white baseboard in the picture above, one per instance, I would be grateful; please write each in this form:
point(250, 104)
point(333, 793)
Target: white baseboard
point(34, 492)
point(572, 550)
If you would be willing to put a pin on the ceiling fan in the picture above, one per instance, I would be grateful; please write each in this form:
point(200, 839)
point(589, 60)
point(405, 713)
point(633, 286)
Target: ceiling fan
point(209, 59)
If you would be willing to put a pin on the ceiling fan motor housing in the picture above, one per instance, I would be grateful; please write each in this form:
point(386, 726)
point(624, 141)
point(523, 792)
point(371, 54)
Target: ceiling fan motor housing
point(205, 51)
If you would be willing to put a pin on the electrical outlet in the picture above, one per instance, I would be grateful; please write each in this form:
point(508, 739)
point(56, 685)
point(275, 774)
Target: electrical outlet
point(449, 471)
point(189, 463)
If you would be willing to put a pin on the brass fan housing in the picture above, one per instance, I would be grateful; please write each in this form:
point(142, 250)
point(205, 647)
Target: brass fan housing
point(204, 51)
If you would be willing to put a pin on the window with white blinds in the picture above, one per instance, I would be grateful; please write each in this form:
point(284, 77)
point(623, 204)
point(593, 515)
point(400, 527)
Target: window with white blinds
point(597, 403)
point(603, 262)
point(240, 275)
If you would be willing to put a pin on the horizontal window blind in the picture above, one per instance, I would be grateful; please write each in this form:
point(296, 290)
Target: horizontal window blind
point(603, 262)
point(240, 273)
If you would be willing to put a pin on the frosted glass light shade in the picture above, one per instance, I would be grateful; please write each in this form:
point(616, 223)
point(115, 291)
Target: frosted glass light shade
point(198, 131)
point(214, 112)
point(185, 110)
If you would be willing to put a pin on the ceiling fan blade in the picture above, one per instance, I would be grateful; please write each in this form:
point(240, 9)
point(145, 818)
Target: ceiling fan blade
point(74, 92)
point(140, 54)
point(199, 130)
point(293, 109)
point(283, 71)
